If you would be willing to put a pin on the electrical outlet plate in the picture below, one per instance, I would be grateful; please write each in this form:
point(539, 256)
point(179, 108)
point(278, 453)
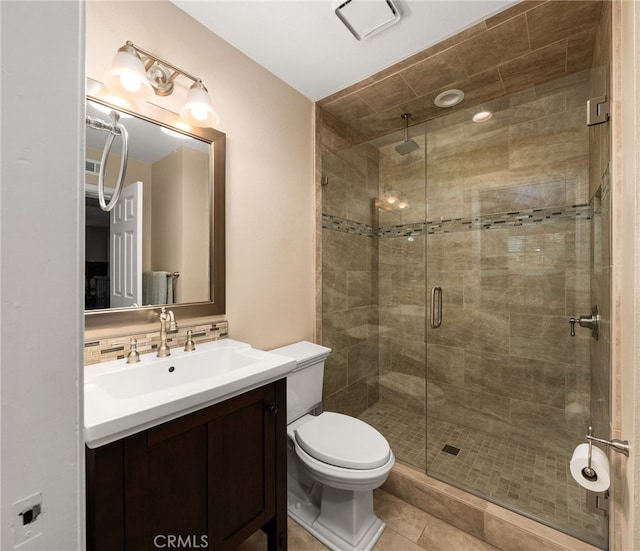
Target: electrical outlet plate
point(26, 532)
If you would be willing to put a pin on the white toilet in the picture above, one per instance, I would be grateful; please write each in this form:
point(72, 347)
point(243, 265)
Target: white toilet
point(334, 462)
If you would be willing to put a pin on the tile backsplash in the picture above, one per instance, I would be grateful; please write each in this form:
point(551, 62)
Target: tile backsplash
point(117, 347)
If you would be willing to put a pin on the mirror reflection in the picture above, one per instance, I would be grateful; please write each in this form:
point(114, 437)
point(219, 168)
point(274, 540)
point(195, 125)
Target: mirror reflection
point(154, 246)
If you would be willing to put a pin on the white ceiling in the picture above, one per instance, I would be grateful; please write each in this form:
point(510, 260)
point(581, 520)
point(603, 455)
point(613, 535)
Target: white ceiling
point(305, 44)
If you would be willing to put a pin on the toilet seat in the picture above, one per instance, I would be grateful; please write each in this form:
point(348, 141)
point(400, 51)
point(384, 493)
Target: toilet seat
point(343, 441)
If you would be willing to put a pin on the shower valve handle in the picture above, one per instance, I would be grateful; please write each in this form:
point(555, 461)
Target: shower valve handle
point(573, 321)
point(589, 322)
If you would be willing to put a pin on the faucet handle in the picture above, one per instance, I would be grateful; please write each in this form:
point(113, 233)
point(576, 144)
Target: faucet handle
point(189, 346)
point(133, 356)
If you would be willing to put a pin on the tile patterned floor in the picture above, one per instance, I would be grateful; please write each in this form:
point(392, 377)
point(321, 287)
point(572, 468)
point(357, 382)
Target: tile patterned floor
point(506, 472)
point(408, 529)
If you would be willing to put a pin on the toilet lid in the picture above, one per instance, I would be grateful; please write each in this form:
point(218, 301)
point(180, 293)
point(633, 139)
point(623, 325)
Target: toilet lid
point(343, 441)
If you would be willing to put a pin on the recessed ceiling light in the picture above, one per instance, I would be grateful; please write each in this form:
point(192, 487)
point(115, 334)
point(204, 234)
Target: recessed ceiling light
point(482, 116)
point(364, 18)
point(449, 98)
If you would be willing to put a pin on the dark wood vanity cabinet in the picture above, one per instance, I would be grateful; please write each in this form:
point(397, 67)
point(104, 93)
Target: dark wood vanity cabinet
point(206, 480)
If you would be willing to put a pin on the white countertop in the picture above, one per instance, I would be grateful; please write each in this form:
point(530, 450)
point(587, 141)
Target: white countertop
point(121, 399)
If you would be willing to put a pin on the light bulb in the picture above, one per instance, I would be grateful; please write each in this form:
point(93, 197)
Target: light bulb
point(198, 110)
point(127, 76)
point(391, 197)
point(130, 82)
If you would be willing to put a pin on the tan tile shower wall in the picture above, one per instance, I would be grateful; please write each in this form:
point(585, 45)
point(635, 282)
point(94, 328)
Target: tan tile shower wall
point(503, 356)
point(349, 281)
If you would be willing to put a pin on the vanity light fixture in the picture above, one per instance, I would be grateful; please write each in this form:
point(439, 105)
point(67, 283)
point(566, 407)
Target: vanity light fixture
point(390, 201)
point(138, 75)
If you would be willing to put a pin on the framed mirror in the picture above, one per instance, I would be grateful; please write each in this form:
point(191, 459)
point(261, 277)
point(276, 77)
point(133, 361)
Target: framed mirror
point(175, 180)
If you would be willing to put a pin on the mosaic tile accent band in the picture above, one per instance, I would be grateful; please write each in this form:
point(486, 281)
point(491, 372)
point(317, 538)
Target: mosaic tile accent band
point(115, 348)
point(500, 220)
point(347, 226)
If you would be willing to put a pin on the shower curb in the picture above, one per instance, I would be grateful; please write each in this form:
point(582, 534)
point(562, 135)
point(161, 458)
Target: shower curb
point(483, 520)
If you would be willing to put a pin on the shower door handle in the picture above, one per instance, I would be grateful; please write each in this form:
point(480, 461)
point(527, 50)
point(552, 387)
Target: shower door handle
point(436, 294)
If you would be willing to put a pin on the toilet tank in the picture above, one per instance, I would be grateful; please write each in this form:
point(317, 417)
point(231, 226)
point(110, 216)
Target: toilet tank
point(304, 383)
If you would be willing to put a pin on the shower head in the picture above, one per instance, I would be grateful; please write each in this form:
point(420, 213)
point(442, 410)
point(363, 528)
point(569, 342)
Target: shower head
point(408, 145)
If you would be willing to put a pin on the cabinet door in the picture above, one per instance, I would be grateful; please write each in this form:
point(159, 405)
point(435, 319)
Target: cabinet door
point(105, 497)
point(207, 480)
point(165, 482)
point(241, 463)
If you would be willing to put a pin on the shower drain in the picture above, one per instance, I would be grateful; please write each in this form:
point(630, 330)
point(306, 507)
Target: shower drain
point(451, 449)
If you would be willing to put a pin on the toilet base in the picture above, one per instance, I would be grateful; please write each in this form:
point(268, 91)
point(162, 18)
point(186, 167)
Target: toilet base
point(343, 521)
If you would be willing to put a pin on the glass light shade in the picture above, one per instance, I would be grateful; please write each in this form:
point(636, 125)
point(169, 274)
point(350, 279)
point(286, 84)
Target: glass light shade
point(391, 197)
point(198, 110)
point(128, 77)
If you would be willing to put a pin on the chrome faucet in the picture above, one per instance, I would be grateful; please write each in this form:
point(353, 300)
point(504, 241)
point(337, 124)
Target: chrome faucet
point(165, 316)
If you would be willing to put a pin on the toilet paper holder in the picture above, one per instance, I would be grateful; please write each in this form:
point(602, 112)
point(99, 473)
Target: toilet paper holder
point(620, 446)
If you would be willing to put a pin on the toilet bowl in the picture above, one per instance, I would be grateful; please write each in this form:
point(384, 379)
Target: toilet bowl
point(334, 461)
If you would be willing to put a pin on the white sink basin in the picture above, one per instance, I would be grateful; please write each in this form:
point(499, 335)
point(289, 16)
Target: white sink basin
point(164, 374)
point(121, 399)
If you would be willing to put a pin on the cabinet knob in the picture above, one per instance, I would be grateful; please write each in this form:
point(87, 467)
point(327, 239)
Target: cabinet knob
point(272, 409)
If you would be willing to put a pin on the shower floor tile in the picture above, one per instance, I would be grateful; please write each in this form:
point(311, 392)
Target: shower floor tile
point(508, 473)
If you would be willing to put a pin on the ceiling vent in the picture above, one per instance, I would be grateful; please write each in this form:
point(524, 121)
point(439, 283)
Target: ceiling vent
point(364, 18)
point(91, 166)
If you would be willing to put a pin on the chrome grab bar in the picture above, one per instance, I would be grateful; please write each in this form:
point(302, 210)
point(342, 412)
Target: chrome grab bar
point(436, 321)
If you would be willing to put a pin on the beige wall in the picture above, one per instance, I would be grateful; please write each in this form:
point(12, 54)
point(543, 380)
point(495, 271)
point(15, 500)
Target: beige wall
point(625, 421)
point(180, 212)
point(194, 275)
point(168, 214)
point(270, 191)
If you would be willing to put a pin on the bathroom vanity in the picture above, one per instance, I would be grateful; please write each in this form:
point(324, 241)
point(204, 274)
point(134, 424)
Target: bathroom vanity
point(212, 477)
point(187, 451)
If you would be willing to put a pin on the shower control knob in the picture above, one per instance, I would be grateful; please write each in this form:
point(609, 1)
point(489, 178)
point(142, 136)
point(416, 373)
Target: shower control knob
point(589, 322)
point(272, 409)
point(573, 322)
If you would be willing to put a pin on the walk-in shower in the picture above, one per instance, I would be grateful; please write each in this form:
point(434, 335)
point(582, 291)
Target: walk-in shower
point(449, 320)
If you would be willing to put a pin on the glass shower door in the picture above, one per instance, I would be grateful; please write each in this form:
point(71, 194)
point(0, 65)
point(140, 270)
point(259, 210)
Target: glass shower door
point(508, 262)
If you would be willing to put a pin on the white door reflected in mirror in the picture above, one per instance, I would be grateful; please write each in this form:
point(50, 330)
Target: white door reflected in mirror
point(125, 248)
